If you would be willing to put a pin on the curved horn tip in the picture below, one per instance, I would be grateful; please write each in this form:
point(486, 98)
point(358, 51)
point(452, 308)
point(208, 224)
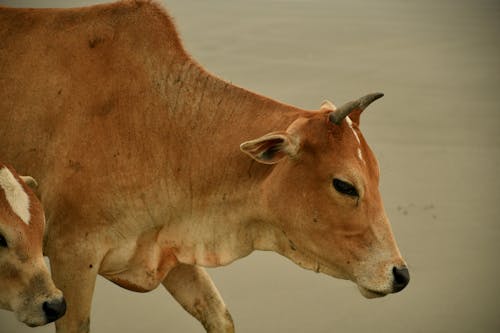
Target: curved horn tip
point(362, 103)
point(368, 99)
point(377, 95)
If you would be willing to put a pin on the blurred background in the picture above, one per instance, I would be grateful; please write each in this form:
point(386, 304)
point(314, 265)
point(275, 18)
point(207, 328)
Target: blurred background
point(435, 133)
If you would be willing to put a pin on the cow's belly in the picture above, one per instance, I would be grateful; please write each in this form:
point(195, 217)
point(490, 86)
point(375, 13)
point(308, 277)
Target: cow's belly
point(139, 265)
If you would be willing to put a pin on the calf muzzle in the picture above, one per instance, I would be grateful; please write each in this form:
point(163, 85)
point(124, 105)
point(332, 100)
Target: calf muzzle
point(54, 309)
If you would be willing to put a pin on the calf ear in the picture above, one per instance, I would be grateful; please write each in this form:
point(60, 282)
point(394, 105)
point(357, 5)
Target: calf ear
point(30, 181)
point(272, 147)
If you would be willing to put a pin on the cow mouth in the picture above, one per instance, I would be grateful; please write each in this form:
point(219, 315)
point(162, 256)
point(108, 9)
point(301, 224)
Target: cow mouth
point(370, 293)
point(319, 265)
point(32, 322)
point(33, 325)
point(310, 261)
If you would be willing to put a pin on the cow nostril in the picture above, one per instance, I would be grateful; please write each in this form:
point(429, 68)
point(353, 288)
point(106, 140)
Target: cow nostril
point(401, 278)
point(54, 309)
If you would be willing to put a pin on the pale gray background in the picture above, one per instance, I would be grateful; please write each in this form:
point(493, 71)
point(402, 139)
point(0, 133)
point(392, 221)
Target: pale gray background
point(435, 134)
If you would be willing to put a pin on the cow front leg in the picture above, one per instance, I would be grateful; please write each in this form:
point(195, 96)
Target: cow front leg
point(192, 287)
point(75, 274)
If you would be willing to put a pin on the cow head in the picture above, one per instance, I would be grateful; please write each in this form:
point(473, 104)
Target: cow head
point(26, 286)
point(323, 196)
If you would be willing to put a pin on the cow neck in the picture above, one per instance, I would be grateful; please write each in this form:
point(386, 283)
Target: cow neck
point(224, 184)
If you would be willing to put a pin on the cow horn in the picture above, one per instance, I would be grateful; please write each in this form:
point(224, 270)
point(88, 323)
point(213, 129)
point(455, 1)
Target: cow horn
point(360, 104)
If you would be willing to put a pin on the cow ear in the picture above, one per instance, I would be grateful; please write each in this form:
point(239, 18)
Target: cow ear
point(30, 181)
point(272, 147)
point(327, 106)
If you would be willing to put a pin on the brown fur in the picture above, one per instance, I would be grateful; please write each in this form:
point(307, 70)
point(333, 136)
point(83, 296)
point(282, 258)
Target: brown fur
point(136, 148)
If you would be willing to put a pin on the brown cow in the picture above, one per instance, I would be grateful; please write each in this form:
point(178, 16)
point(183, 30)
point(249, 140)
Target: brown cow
point(139, 154)
point(25, 284)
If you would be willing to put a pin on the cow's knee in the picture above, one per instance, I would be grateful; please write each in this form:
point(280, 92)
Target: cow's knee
point(192, 287)
point(215, 319)
point(222, 324)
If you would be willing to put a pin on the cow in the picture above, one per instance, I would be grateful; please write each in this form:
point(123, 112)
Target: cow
point(152, 169)
point(26, 287)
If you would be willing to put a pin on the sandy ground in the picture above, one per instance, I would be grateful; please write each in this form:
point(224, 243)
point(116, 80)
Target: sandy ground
point(435, 134)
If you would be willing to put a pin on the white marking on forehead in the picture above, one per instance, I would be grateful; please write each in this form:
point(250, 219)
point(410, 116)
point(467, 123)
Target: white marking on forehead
point(360, 155)
point(15, 195)
point(349, 122)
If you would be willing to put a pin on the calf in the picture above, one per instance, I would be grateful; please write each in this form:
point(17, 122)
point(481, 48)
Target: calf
point(26, 286)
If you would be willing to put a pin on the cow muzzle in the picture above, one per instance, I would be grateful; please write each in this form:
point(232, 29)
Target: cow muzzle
point(399, 280)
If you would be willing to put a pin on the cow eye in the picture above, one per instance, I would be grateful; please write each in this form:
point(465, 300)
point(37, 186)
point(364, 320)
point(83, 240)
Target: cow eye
point(3, 241)
point(345, 188)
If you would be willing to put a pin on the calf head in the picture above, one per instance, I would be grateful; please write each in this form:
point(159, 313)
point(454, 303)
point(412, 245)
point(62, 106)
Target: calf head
point(323, 195)
point(26, 286)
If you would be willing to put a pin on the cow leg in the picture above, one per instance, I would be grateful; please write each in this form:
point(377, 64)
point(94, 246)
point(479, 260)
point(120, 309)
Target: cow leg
point(75, 274)
point(192, 287)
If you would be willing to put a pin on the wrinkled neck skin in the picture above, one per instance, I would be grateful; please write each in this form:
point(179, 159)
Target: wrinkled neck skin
point(219, 242)
point(226, 218)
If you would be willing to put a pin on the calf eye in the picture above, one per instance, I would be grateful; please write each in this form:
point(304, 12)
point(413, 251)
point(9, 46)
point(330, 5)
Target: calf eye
point(345, 188)
point(3, 242)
